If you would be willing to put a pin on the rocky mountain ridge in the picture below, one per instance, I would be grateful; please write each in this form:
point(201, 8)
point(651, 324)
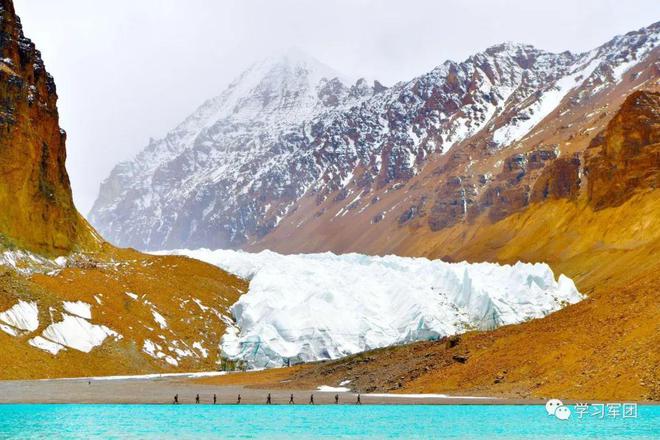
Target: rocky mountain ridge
point(438, 147)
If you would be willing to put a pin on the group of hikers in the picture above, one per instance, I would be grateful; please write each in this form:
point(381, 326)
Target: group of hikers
point(269, 399)
point(215, 399)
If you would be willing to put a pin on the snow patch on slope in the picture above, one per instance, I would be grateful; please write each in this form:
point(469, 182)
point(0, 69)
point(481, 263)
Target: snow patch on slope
point(544, 105)
point(23, 316)
point(309, 307)
point(78, 308)
point(46, 345)
point(28, 263)
point(77, 333)
point(11, 331)
point(160, 320)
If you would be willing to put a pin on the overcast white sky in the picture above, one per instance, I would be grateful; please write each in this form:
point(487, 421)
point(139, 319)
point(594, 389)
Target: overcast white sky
point(127, 70)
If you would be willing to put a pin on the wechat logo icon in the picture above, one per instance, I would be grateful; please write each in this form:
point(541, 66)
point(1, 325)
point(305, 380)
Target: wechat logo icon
point(555, 407)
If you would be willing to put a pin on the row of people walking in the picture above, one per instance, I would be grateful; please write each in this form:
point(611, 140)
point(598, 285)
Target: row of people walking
point(269, 399)
point(197, 399)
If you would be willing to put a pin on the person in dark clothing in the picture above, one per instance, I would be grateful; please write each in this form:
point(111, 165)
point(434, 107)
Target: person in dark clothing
point(336, 399)
point(311, 399)
point(197, 399)
point(359, 402)
point(291, 402)
point(176, 399)
point(268, 400)
point(238, 401)
point(215, 399)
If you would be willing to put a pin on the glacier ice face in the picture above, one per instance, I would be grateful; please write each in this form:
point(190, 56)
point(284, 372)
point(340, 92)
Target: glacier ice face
point(310, 307)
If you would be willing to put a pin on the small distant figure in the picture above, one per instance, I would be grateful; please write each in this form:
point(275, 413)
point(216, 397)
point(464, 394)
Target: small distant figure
point(238, 401)
point(89, 382)
point(311, 399)
point(359, 402)
point(336, 399)
point(215, 399)
point(268, 400)
point(197, 399)
point(176, 399)
point(291, 402)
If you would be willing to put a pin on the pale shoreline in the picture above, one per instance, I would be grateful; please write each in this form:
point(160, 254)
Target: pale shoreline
point(160, 389)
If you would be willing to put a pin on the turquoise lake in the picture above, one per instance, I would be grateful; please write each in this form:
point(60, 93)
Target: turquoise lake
point(311, 422)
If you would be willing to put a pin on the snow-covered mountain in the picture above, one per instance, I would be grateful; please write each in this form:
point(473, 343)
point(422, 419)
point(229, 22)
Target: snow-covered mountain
point(291, 133)
point(219, 155)
point(310, 307)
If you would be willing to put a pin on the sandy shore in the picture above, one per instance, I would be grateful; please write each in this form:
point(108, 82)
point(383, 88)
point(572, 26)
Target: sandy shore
point(161, 390)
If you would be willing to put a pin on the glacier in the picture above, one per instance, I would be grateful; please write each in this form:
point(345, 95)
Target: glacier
point(310, 307)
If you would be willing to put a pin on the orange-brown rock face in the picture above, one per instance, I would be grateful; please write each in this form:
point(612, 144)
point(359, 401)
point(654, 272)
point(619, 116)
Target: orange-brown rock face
point(36, 206)
point(625, 157)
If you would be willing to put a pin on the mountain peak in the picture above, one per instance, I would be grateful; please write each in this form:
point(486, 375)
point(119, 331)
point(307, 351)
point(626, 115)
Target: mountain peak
point(281, 88)
point(296, 61)
point(514, 50)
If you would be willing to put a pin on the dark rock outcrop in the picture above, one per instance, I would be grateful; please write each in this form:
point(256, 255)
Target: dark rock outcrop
point(625, 157)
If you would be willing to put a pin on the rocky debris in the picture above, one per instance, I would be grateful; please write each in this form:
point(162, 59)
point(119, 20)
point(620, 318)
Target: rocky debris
point(159, 314)
point(500, 377)
point(460, 358)
point(415, 211)
point(452, 341)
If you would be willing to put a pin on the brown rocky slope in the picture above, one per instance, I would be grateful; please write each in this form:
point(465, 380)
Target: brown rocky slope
point(160, 313)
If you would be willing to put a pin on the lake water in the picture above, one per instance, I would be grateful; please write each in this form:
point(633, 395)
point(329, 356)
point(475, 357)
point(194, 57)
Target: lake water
point(312, 422)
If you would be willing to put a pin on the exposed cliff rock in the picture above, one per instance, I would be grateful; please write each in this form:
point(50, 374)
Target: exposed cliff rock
point(625, 157)
point(37, 210)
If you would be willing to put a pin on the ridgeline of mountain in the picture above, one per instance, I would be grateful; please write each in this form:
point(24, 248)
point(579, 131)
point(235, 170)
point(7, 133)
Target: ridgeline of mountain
point(37, 207)
point(95, 309)
point(355, 167)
